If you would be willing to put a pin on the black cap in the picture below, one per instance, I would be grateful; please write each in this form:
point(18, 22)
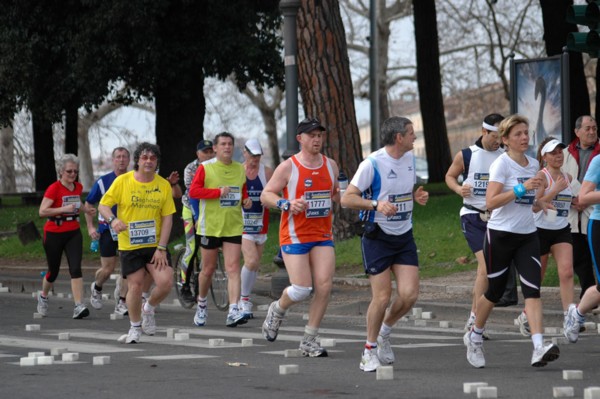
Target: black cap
point(204, 144)
point(308, 125)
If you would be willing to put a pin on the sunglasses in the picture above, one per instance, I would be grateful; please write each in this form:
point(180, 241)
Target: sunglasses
point(70, 171)
point(148, 157)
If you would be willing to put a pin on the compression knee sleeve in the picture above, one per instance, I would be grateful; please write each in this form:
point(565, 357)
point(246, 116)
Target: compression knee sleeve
point(298, 293)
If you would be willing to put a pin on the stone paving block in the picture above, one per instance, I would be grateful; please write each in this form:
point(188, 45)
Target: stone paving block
point(471, 387)
point(420, 323)
point(563, 392)
point(32, 327)
point(4, 289)
point(285, 369)
point(589, 325)
point(70, 296)
point(591, 393)
point(181, 336)
point(263, 307)
point(487, 392)
point(328, 342)
point(116, 316)
point(176, 302)
point(58, 351)
point(427, 315)
point(216, 342)
point(38, 315)
point(28, 361)
point(572, 374)
point(171, 332)
point(560, 341)
point(64, 336)
point(101, 360)
point(292, 353)
point(60, 295)
point(70, 357)
point(114, 276)
point(36, 354)
point(445, 324)
point(417, 312)
point(45, 360)
point(247, 342)
point(385, 373)
point(552, 330)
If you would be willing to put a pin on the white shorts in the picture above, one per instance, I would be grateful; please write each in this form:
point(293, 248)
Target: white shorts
point(258, 239)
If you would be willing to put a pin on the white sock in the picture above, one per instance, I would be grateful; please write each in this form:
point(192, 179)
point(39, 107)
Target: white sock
point(537, 339)
point(385, 330)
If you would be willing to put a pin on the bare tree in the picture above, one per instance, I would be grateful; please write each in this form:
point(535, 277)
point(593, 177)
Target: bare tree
point(8, 182)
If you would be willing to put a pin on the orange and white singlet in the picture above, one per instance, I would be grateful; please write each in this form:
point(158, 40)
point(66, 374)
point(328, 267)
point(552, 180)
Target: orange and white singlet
point(316, 186)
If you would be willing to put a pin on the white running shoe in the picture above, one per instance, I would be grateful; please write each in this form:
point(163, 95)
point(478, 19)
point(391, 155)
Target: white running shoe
point(96, 297)
point(270, 327)
point(469, 326)
point(309, 347)
point(524, 325)
point(384, 350)
point(572, 324)
point(544, 354)
point(80, 311)
point(235, 318)
point(369, 361)
point(42, 305)
point(148, 322)
point(246, 309)
point(200, 316)
point(474, 351)
point(121, 308)
point(134, 335)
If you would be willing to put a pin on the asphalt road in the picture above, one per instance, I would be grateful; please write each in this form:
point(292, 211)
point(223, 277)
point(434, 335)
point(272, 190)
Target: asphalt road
point(430, 359)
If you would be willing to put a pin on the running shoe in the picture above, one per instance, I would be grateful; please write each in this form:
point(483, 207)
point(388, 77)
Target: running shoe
point(369, 361)
point(474, 351)
point(134, 335)
point(270, 327)
point(121, 307)
point(469, 326)
point(235, 318)
point(572, 324)
point(42, 305)
point(80, 311)
point(543, 354)
point(309, 347)
point(200, 316)
point(148, 322)
point(246, 309)
point(523, 324)
point(96, 297)
point(384, 350)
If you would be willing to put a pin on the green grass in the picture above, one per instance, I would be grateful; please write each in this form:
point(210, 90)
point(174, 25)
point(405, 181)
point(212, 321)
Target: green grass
point(440, 242)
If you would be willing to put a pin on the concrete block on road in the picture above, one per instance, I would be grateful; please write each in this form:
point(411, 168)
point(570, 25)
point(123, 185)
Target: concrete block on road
point(247, 342)
point(427, 315)
point(36, 354)
point(105, 297)
point(32, 327)
point(487, 392)
point(560, 341)
point(417, 312)
point(70, 357)
point(591, 393)
point(552, 330)
point(420, 323)
point(445, 324)
point(216, 342)
point(116, 316)
point(64, 336)
point(285, 369)
point(45, 360)
point(590, 325)
point(181, 336)
point(114, 276)
point(171, 332)
point(4, 289)
point(563, 392)
point(60, 295)
point(328, 342)
point(292, 353)
point(385, 373)
point(471, 387)
point(305, 316)
point(38, 315)
point(58, 351)
point(28, 361)
point(263, 307)
point(101, 360)
point(572, 374)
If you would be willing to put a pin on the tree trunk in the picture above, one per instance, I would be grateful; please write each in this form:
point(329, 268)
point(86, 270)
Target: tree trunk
point(86, 168)
point(326, 90)
point(430, 90)
point(43, 148)
point(180, 109)
point(556, 29)
point(71, 118)
point(8, 183)
point(267, 112)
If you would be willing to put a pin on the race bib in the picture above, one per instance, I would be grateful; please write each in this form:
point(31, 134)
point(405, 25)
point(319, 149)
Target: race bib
point(253, 222)
point(113, 234)
point(72, 200)
point(142, 232)
point(319, 204)
point(480, 183)
point(403, 204)
point(562, 203)
point(232, 198)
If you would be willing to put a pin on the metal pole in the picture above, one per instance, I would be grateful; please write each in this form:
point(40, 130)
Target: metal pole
point(289, 9)
point(373, 76)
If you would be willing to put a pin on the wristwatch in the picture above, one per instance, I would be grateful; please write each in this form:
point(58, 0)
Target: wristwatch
point(283, 204)
point(110, 219)
point(374, 204)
